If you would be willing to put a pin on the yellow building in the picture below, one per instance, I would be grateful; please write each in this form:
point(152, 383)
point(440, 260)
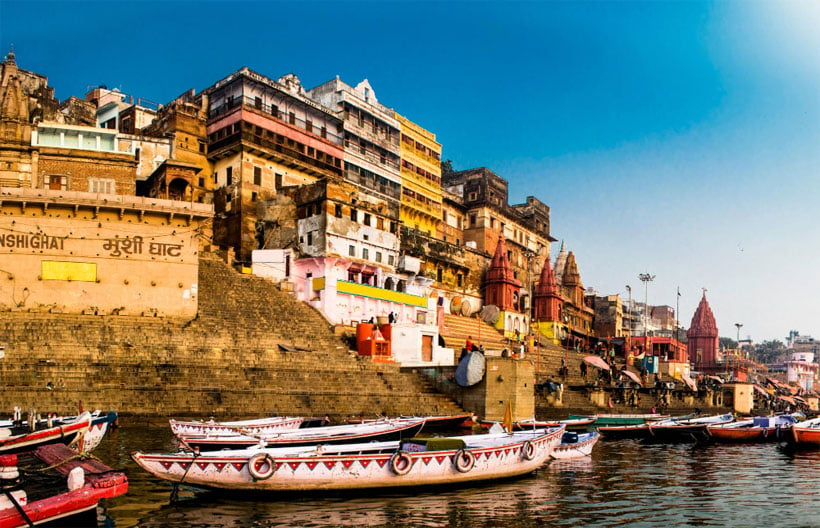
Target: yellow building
point(420, 178)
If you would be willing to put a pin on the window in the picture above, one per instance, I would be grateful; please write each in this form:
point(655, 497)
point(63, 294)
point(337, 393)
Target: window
point(378, 256)
point(253, 196)
point(380, 223)
point(365, 253)
point(257, 175)
point(229, 173)
point(278, 181)
point(439, 274)
point(309, 125)
point(103, 186)
point(390, 260)
point(310, 238)
point(216, 177)
point(354, 215)
point(351, 250)
point(367, 219)
point(274, 110)
point(472, 196)
point(338, 211)
point(56, 182)
point(459, 280)
point(444, 216)
point(292, 118)
point(492, 223)
point(202, 182)
point(257, 103)
point(472, 220)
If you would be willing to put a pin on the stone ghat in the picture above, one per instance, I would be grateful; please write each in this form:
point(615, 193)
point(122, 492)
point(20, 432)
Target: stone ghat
point(227, 362)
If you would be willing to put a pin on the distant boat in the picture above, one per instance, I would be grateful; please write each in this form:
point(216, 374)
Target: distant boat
point(63, 486)
point(432, 423)
point(757, 429)
point(685, 429)
point(622, 419)
point(331, 434)
point(575, 445)
point(520, 425)
point(429, 462)
point(615, 432)
point(807, 434)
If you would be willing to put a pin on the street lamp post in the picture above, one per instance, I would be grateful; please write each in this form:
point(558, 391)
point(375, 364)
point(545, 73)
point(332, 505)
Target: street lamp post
point(646, 278)
point(738, 325)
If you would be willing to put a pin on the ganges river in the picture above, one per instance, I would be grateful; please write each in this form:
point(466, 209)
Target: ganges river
point(624, 483)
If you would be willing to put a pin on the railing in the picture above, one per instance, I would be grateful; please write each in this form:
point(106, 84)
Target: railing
point(271, 146)
point(273, 111)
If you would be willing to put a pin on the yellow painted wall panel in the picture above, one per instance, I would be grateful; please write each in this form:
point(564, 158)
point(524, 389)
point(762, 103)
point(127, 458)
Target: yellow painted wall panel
point(68, 271)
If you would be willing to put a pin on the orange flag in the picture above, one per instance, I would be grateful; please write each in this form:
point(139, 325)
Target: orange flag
point(508, 421)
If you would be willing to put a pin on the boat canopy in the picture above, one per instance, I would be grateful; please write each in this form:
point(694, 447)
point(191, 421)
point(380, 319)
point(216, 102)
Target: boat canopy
point(761, 390)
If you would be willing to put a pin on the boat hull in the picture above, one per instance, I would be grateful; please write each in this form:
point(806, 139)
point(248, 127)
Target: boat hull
point(305, 437)
point(580, 448)
point(258, 426)
point(224, 470)
point(621, 419)
point(67, 433)
point(614, 432)
point(807, 433)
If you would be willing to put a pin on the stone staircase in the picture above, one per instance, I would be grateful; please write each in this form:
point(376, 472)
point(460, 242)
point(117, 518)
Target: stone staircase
point(227, 362)
point(458, 328)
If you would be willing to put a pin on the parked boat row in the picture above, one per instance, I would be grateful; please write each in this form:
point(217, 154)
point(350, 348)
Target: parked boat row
point(45, 474)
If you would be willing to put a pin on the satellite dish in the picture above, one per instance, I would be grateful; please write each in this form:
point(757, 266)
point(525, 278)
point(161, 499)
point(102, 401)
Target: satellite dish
point(490, 314)
point(455, 305)
point(470, 369)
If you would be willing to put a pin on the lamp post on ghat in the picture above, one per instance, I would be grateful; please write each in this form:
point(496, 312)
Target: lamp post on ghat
point(646, 278)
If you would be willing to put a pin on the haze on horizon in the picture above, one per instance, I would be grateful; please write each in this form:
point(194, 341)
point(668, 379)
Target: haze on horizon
point(680, 139)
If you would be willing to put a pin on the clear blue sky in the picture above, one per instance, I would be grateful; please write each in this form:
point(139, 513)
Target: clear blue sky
point(676, 138)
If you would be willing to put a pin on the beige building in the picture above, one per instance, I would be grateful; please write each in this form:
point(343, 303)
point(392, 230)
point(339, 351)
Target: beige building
point(79, 252)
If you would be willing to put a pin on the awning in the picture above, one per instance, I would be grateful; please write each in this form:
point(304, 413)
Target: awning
point(798, 398)
point(715, 378)
point(632, 376)
point(788, 399)
point(596, 361)
point(689, 381)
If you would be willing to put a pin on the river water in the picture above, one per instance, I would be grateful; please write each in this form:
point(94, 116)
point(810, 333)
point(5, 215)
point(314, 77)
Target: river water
point(624, 483)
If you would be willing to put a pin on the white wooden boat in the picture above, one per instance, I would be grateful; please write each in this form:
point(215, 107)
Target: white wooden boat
point(755, 429)
point(67, 431)
point(574, 445)
point(257, 426)
point(439, 461)
point(381, 430)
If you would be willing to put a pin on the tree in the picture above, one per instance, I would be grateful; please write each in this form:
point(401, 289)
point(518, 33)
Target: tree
point(770, 351)
point(446, 168)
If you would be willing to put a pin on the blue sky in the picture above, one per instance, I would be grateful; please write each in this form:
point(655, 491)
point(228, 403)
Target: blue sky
point(676, 138)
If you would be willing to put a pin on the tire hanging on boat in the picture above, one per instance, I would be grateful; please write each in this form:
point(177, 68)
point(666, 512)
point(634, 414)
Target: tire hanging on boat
point(528, 450)
point(401, 463)
point(261, 466)
point(464, 460)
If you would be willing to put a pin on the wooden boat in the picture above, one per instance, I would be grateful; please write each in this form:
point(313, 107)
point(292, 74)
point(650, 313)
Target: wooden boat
point(428, 462)
point(101, 422)
point(614, 432)
point(807, 433)
point(332, 434)
point(685, 429)
point(521, 425)
point(432, 423)
point(574, 445)
point(69, 487)
point(67, 432)
point(255, 427)
point(757, 429)
point(622, 419)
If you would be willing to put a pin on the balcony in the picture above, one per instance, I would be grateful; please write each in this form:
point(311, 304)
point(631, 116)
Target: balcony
point(270, 150)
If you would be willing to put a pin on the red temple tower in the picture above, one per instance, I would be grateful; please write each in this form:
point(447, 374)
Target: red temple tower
point(703, 336)
point(548, 300)
point(501, 288)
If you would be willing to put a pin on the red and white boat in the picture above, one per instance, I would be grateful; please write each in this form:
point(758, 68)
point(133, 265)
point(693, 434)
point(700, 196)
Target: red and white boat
point(257, 426)
point(757, 429)
point(434, 461)
point(70, 487)
point(575, 445)
point(332, 434)
point(66, 431)
point(807, 433)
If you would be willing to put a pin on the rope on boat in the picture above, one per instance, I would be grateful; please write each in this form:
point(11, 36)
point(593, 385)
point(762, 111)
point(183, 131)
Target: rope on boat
point(17, 506)
point(78, 456)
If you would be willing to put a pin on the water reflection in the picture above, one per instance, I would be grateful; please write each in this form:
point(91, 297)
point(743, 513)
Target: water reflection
point(623, 483)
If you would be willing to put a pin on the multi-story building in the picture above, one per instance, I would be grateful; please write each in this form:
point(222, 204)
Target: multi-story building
point(420, 178)
point(489, 217)
point(264, 135)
